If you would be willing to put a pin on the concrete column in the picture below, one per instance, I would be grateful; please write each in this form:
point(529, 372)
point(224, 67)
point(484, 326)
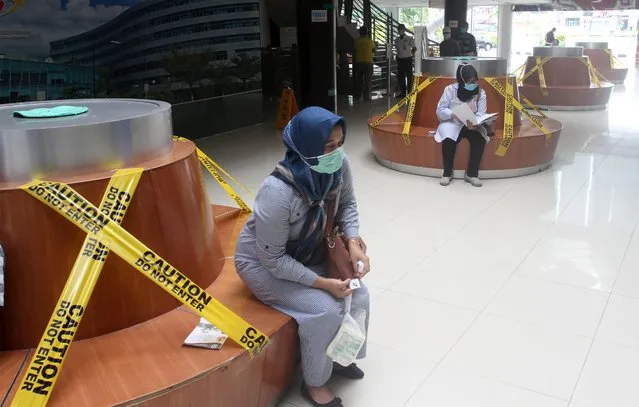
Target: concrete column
point(505, 31)
point(455, 10)
point(316, 54)
point(265, 28)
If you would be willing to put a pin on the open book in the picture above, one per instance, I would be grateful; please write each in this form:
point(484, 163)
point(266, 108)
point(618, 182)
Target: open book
point(465, 114)
point(206, 335)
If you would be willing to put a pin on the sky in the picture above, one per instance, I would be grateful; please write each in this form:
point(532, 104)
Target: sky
point(48, 20)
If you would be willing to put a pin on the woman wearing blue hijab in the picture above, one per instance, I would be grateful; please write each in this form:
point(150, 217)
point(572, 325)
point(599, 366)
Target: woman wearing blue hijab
point(280, 254)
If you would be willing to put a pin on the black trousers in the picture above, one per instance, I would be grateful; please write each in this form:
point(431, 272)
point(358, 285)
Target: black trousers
point(477, 144)
point(405, 74)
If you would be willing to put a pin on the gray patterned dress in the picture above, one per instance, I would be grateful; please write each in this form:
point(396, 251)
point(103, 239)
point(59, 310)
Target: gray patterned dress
point(263, 262)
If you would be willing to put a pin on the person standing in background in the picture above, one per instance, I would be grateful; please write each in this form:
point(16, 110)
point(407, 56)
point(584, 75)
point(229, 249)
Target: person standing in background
point(449, 47)
point(467, 41)
point(405, 47)
point(550, 37)
point(364, 51)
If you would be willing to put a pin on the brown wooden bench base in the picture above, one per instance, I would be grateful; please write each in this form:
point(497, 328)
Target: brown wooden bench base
point(147, 365)
point(529, 152)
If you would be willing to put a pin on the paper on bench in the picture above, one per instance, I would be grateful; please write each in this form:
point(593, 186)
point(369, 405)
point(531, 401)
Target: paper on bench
point(206, 335)
point(464, 114)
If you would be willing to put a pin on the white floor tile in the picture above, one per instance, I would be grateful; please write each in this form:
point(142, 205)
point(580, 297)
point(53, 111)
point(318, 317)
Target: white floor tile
point(582, 268)
point(566, 308)
point(391, 259)
point(452, 283)
point(610, 377)
point(447, 387)
point(628, 280)
point(527, 356)
point(496, 280)
point(620, 323)
point(391, 378)
point(416, 326)
point(503, 252)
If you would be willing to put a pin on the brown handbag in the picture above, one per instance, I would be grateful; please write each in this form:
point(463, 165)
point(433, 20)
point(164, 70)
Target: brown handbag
point(337, 256)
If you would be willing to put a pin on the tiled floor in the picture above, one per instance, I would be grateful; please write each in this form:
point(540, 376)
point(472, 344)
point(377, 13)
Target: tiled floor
point(523, 293)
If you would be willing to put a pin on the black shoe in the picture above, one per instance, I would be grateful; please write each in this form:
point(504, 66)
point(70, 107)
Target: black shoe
point(349, 372)
point(336, 402)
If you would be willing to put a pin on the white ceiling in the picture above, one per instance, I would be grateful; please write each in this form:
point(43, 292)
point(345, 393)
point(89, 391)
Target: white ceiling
point(440, 3)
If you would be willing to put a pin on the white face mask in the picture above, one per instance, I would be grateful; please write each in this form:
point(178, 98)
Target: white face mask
point(446, 36)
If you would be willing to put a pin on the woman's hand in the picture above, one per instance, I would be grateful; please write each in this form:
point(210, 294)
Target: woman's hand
point(470, 125)
point(358, 253)
point(337, 288)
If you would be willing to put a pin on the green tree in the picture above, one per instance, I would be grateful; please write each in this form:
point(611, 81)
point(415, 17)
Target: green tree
point(188, 67)
point(412, 16)
point(221, 76)
point(105, 81)
point(245, 67)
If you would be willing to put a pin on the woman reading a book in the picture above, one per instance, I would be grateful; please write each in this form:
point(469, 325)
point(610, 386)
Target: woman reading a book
point(452, 129)
point(280, 252)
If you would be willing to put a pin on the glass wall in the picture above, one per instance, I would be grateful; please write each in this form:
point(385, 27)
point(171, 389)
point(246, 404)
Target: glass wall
point(179, 51)
point(616, 27)
point(483, 22)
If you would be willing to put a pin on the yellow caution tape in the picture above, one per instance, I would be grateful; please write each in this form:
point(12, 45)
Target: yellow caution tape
point(509, 128)
point(594, 72)
point(519, 72)
point(425, 83)
point(542, 77)
point(76, 209)
point(613, 59)
point(536, 121)
point(409, 115)
point(531, 106)
point(215, 169)
point(535, 68)
point(43, 371)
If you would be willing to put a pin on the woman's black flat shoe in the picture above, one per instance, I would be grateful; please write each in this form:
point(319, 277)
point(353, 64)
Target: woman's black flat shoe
point(350, 372)
point(336, 402)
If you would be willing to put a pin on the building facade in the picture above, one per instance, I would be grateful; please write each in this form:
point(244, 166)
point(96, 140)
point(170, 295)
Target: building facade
point(23, 81)
point(135, 45)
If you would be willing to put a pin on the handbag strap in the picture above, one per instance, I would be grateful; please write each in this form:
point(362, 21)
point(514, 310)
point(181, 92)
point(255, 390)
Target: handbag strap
point(331, 209)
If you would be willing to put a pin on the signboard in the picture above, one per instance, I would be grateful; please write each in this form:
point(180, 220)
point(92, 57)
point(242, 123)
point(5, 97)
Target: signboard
point(453, 23)
point(319, 16)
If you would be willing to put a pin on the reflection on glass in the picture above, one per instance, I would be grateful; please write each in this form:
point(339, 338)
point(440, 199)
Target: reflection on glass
point(172, 50)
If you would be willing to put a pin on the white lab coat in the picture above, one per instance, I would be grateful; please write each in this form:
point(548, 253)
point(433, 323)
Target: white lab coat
point(449, 128)
point(404, 46)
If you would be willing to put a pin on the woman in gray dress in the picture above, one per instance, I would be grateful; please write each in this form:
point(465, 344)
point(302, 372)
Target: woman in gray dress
point(279, 254)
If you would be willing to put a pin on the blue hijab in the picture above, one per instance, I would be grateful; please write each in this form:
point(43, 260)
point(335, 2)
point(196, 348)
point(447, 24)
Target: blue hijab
point(305, 137)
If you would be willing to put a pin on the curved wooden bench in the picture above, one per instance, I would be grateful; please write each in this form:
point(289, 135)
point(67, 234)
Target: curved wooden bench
point(147, 365)
point(568, 86)
point(601, 60)
point(529, 152)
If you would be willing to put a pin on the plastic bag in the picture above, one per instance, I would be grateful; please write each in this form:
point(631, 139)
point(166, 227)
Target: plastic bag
point(350, 337)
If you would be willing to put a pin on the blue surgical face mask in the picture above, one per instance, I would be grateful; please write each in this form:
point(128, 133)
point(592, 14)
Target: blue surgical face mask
point(470, 86)
point(446, 36)
point(329, 163)
point(463, 30)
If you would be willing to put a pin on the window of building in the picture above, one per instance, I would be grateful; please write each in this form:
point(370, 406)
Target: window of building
point(572, 22)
